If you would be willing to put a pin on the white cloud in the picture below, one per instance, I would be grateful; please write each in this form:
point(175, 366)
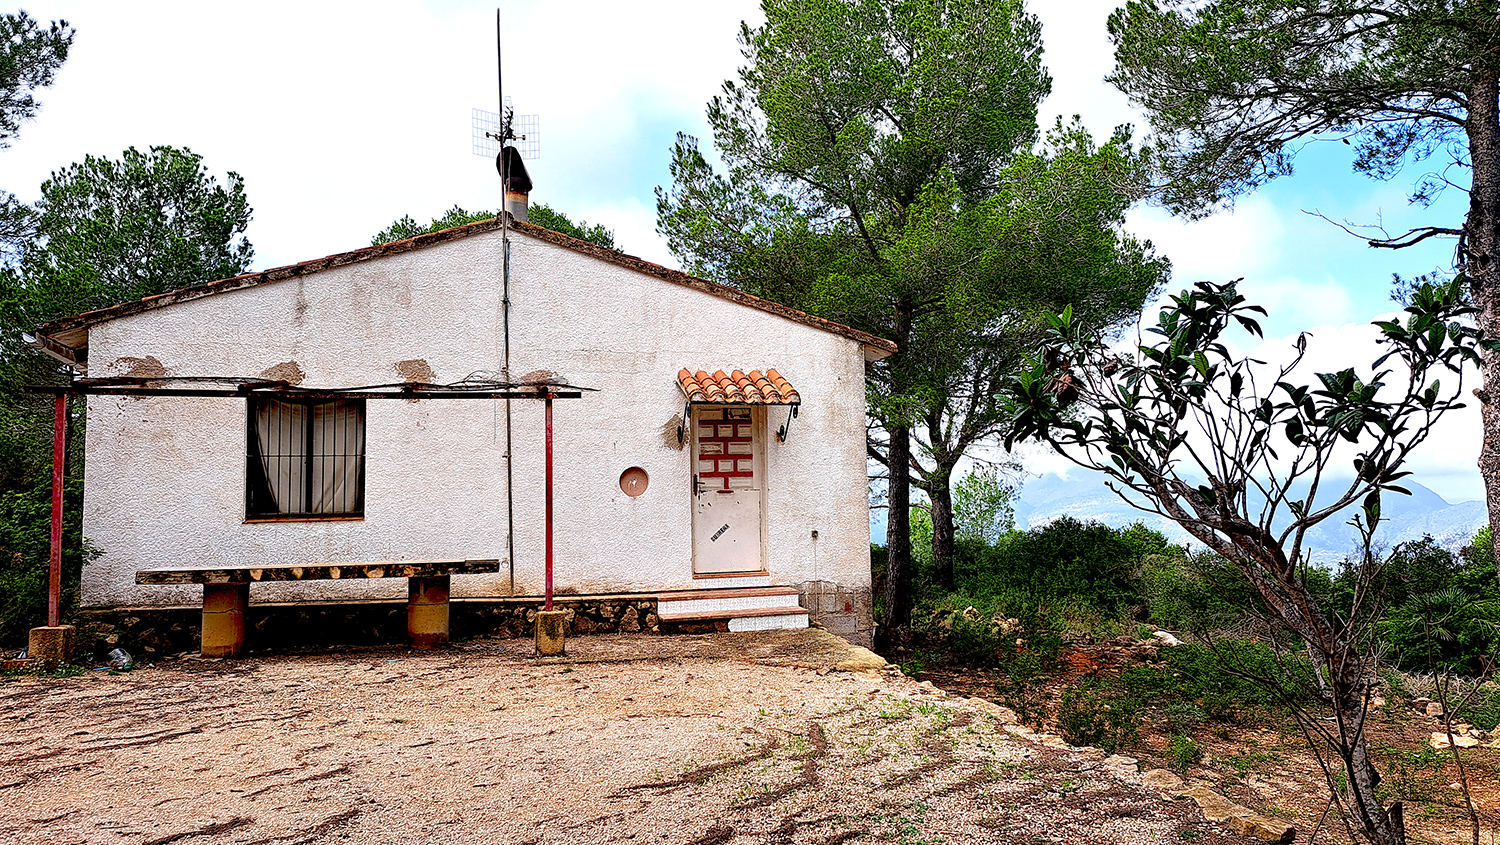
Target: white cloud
point(1446, 461)
point(1243, 242)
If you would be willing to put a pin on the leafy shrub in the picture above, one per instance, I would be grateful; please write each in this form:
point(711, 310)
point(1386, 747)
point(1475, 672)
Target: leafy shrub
point(1449, 629)
point(1478, 571)
point(1198, 591)
point(25, 552)
point(1483, 710)
point(1096, 714)
point(1230, 680)
point(1144, 540)
point(1183, 716)
point(1081, 570)
point(973, 642)
point(1414, 568)
point(1183, 751)
point(1414, 776)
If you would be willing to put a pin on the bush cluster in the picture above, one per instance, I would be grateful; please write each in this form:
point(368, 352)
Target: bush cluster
point(1019, 599)
point(25, 553)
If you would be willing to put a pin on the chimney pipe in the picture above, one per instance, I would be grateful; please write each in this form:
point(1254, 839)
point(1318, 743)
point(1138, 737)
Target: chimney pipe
point(517, 182)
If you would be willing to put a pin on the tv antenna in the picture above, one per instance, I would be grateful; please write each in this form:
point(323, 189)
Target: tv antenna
point(491, 132)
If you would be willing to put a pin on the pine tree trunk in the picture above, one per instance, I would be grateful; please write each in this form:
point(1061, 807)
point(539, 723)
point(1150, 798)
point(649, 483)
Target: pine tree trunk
point(942, 524)
point(1479, 257)
point(898, 578)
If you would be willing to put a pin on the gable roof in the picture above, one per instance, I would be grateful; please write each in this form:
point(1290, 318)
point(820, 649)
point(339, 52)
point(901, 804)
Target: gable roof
point(67, 337)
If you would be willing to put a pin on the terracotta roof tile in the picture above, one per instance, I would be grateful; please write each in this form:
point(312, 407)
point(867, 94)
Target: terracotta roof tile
point(737, 388)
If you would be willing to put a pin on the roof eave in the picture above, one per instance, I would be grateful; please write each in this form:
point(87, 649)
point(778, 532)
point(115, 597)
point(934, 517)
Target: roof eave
point(73, 351)
point(68, 336)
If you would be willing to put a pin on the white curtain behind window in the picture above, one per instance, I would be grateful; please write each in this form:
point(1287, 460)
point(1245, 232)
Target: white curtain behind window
point(281, 433)
point(338, 449)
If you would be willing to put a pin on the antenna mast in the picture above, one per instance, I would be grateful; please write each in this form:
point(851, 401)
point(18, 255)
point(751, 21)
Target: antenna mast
point(510, 478)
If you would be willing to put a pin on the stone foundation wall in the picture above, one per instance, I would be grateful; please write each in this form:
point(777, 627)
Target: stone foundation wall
point(845, 611)
point(151, 632)
point(516, 617)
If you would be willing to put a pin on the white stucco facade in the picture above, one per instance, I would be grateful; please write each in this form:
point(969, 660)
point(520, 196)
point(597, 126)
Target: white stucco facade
point(165, 477)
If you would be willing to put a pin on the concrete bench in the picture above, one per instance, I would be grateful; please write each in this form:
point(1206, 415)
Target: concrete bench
point(226, 593)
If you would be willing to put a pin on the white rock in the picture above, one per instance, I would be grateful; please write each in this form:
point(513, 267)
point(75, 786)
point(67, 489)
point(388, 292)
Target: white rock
point(1166, 638)
point(1440, 740)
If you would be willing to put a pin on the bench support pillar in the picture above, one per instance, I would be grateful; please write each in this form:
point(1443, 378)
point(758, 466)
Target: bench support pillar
point(427, 611)
point(224, 619)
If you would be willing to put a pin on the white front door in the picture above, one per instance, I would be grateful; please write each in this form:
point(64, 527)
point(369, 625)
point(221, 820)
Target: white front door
point(726, 490)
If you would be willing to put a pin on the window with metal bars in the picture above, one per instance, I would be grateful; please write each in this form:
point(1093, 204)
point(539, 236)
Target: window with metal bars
point(305, 459)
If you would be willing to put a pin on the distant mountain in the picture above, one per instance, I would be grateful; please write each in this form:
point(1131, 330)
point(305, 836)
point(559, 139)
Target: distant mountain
point(1084, 497)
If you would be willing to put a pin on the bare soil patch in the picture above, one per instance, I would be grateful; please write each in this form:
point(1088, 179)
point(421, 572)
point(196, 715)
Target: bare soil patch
point(723, 738)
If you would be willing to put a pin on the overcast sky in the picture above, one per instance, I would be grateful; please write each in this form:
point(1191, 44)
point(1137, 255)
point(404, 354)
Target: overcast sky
point(343, 117)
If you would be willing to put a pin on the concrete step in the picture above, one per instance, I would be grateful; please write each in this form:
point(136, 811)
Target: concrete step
point(723, 604)
point(735, 614)
point(768, 622)
point(746, 608)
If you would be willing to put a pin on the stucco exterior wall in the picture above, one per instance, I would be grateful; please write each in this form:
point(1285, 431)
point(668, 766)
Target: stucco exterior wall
point(165, 477)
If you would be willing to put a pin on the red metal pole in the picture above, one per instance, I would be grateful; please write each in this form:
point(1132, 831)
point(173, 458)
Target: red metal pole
point(549, 499)
point(59, 456)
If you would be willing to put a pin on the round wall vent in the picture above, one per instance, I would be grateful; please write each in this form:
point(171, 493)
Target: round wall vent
point(634, 481)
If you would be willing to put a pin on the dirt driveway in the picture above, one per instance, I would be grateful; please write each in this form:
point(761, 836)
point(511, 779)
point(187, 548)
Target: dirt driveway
point(725, 738)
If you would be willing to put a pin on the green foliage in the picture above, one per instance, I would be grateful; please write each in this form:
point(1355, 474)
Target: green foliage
point(1068, 558)
point(1145, 541)
point(1433, 610)
point(1181, 717)
point(70, 670)
point(1414, 776)
point(913, 668)
point(538, 214)
point(25, 551)
point(974, 642)
point(1234, 680)
point(1099, 714)
point(983, 506)
point(1483, 710)
point(1412, 569)
point(107, 231)
point(1199, 591)
point(1449, 629)
point(1183, 751)
point(1072, 575)
point(1233, 88)
point(543, 215)
point(30, 55)
point(1478, 572)
point(406, 227)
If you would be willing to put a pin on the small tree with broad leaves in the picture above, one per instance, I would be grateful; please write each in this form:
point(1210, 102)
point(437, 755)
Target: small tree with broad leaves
point(1247, 465)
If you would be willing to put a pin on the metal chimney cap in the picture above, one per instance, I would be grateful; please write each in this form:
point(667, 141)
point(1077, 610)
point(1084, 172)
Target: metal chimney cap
point(513, 171)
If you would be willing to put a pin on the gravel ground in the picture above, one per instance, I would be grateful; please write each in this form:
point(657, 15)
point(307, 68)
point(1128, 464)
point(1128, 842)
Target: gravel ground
point(725, 738)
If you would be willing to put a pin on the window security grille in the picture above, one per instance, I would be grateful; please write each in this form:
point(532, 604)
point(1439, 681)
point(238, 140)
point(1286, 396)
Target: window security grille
point(305, 459)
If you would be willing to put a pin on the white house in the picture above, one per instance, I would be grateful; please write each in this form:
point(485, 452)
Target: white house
point(644, 505)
